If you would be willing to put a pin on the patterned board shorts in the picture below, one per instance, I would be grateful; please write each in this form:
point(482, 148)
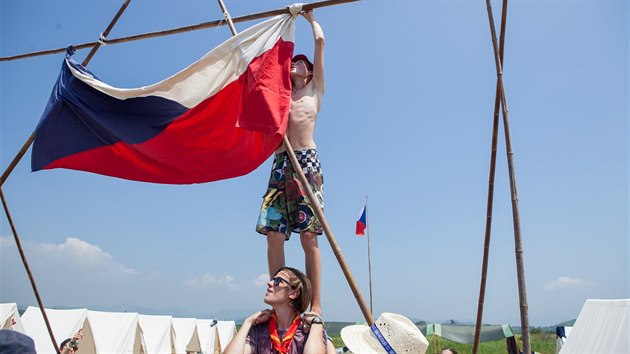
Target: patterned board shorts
point(285, 206)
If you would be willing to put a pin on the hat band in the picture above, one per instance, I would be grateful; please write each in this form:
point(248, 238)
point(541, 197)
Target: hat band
point(388, 348)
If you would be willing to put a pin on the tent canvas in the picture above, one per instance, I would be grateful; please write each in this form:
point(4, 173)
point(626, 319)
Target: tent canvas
point(466, 333)
point(10, 317)
point(601, 327)
point(64, 324)
point(208, 336)
point(158, 333)
point(227, 331)
point(116, 332)
point(186, 335)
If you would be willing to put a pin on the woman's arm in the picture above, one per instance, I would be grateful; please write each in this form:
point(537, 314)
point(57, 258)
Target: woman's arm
point(238, 344)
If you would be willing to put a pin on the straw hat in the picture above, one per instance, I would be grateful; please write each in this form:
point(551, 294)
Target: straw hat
point(402, 335)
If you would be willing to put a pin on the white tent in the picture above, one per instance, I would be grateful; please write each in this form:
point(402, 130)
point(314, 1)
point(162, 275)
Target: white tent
point(601, 327)
point(158, 333)
point(116, 332)
point(64, 324)
point(10, 317)
point(227, 331)
point(186, 335)
point(208, 336)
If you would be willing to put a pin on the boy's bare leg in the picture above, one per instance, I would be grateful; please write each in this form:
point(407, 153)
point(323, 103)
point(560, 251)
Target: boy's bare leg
point(275, 251)
point(313, 262)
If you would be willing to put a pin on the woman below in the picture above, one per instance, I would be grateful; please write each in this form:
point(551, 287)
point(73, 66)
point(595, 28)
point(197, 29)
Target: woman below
point(282, 330)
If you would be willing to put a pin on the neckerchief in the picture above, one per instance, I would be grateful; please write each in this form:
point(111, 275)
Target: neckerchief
point(282, 348)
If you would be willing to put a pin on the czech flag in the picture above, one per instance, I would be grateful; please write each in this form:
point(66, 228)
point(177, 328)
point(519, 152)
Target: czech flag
point(219, 118)
point(362, 222)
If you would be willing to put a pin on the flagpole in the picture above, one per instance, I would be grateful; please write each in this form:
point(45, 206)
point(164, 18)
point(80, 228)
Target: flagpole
point(369, 258)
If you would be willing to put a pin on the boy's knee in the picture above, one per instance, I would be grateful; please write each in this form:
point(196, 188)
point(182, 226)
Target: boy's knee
point(275, 239)
point(308, 239)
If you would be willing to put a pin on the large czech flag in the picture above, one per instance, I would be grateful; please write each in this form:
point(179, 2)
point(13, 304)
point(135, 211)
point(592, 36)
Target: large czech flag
point(219, 118)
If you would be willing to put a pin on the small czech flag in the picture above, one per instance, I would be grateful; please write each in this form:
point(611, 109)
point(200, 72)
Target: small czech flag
point(362, 222)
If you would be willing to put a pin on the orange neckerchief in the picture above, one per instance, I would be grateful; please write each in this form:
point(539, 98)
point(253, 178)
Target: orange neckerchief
point(283, 347)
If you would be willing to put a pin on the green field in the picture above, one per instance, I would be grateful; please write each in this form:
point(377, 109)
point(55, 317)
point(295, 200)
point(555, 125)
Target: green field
point(542, 342)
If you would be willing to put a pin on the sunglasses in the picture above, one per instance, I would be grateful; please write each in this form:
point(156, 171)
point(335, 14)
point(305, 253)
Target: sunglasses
point(277, 280)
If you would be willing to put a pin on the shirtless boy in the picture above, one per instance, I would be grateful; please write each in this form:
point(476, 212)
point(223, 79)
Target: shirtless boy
point(285, 208)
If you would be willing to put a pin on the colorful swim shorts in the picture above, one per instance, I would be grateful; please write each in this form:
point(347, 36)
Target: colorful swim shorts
point(285, 206)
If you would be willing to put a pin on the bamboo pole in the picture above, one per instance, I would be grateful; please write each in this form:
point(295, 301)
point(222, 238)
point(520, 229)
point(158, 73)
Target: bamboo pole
point(331, 237)
point(199, 26)
point(106, 32)
point(518, 247)
point(367, 314)
point(14, 163)
point(29, 273)
point(491, 176)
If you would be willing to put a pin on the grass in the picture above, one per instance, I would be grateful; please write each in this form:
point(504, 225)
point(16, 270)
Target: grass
point(544, 343)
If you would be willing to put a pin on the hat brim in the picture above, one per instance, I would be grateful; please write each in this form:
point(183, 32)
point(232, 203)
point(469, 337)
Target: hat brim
point(305, 58)
point(399, 331)
point(359, 339)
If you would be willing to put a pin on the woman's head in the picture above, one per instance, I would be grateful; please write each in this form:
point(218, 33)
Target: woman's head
point(289, 284)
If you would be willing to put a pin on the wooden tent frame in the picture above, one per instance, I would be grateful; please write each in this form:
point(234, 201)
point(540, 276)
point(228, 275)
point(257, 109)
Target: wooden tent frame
point(500, 102)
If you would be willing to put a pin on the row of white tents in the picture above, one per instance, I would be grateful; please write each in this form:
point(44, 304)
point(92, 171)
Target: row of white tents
point(120, 332)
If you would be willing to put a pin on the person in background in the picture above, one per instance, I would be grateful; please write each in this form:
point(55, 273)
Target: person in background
point(13, 342)
point(71, 345)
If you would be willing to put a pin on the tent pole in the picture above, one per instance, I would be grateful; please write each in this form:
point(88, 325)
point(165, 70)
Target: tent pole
point(199, 26)
point(518, 247)
point(14, 163)
point(489, 207)
point(367, 314)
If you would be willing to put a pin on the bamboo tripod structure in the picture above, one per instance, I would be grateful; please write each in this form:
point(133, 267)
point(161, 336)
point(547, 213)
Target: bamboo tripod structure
point(500, 101)
point(95, 46)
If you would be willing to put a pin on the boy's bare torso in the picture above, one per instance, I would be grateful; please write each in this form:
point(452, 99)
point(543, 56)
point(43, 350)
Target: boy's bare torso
point(305, 105)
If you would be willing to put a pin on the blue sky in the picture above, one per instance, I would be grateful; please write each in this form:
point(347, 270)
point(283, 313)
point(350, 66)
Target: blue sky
point(406, 118)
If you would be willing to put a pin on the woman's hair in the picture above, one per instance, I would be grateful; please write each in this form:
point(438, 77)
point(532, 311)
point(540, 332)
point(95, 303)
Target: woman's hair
point(298, 281)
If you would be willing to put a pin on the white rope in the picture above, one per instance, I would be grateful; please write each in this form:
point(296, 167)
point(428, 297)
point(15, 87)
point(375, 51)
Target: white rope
point(102, 40)
point(295, 9)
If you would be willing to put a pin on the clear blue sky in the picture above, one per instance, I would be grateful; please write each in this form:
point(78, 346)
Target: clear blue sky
point(406, 118)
